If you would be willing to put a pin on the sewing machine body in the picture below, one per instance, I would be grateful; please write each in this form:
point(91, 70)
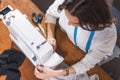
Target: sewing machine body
point(30, 41)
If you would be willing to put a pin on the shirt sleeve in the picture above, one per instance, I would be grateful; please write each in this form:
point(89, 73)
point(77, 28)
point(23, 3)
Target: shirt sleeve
point(96, 55)
point(52, 13)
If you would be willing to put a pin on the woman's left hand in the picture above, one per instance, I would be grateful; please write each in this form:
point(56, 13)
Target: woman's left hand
point(45, 73)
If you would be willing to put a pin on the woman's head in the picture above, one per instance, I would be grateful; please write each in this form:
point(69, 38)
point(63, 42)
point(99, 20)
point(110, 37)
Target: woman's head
point(94, 14)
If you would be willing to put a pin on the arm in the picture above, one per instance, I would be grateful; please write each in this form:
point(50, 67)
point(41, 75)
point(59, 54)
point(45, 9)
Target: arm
point(105, 45)
point(50, 34)
point(50, 30)
point(51, 16)
point(49, 73)
point(88, 62)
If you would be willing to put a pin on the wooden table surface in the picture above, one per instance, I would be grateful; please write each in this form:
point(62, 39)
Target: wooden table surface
point(65, 48)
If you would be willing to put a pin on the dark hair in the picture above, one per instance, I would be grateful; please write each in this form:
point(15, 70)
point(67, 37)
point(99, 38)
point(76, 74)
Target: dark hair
point(92, 14)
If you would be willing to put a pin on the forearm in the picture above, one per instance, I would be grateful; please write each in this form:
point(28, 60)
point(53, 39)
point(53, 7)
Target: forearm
point(49, 73)
point(63, 72)
point(50, 24)
point(50, 30)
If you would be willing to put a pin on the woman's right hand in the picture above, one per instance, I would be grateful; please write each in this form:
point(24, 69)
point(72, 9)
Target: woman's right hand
point(52, 41)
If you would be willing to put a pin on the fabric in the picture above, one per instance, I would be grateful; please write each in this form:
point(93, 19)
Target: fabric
point(116, 4)
point(10, 60)
point(114, 60)
point(73, 76)
point(94, 77)
point(116, 14)
point(114, 71)
point(76, 77)
point(43, 4)
point(89, 39)
point(116, 52)
point(101, 46)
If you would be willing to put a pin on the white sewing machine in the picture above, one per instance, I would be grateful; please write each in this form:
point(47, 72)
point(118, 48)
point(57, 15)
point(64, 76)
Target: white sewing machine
point(29, 40)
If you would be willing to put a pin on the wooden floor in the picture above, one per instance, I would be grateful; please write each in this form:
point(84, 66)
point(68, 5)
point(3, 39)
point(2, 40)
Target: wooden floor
point(65, 47)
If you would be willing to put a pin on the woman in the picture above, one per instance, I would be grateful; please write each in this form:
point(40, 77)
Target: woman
point(89, 25)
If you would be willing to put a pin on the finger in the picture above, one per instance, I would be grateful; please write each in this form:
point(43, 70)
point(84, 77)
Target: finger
point(39, 76)
point(40, 68)
point(53, 43)
point(36, 71)
point(51, 40)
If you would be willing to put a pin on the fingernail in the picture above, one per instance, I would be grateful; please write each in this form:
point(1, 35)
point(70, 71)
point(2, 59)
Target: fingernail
point(42, 65)
point(40, 70)
point(37, 65)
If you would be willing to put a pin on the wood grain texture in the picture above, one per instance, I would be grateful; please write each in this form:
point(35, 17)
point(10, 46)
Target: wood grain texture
point(65, 48)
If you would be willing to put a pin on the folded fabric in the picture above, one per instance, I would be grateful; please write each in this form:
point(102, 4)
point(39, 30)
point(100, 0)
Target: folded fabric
point(94, 77)
point(10, 60)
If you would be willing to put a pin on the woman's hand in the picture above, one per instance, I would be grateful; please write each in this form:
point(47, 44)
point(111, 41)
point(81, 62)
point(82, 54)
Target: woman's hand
point(45, 73)
point(52, 41)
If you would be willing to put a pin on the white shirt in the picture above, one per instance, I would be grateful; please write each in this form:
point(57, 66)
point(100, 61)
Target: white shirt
point(102, 44)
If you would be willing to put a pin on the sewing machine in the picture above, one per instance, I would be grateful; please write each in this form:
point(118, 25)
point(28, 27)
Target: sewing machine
point(29, 40)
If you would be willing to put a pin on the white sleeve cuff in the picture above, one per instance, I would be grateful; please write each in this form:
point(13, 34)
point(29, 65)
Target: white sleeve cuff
point(50, 19)
point(86, 63)
point(80, 68)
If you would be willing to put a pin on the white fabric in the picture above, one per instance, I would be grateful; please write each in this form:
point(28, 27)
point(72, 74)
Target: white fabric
point(102, 44)
point(94, 77)
point(72, 77)
point(76, 77)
